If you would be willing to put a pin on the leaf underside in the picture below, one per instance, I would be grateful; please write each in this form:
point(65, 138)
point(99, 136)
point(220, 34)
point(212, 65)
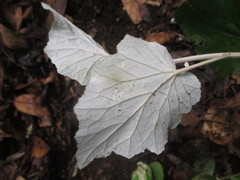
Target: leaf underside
point(131, 98)
point(71, 50)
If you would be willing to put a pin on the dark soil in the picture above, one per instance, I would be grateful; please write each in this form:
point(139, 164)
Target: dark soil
point(26, 70)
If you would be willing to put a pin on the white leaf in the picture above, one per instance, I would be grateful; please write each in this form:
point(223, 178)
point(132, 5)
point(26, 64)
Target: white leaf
point(70, 49)
point(131, 100)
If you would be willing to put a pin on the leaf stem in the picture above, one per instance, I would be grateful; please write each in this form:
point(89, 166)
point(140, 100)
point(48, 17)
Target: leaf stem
point(222, 56)
point(205, 56)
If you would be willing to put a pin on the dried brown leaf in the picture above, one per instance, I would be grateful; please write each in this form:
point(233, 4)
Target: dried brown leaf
point(30, 104)
point(13, 15)
point(153, 2)
point(22, 85)
point(51, 77)
point(24, 30)
point(28, 13)
point(45, 121)
point(15, 156)
point(18, 17)
point(192, 125)
point(40, 148)
point(190, 119)
point(136, 10)
point(20, 178)
point(160, 37)
point(11, 40)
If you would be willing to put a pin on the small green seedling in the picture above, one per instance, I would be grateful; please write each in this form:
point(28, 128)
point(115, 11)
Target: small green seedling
point(153, 171)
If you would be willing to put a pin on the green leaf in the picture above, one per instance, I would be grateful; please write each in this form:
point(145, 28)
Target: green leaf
point(206, 170)
point(215, 27)
point(143, 172)
point(195, 178)
point(157, 171)
point(209, 168)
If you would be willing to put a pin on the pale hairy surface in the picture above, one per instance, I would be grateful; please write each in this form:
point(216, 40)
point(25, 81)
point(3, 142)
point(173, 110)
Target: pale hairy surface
point(70, 49)
point(131, 99)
